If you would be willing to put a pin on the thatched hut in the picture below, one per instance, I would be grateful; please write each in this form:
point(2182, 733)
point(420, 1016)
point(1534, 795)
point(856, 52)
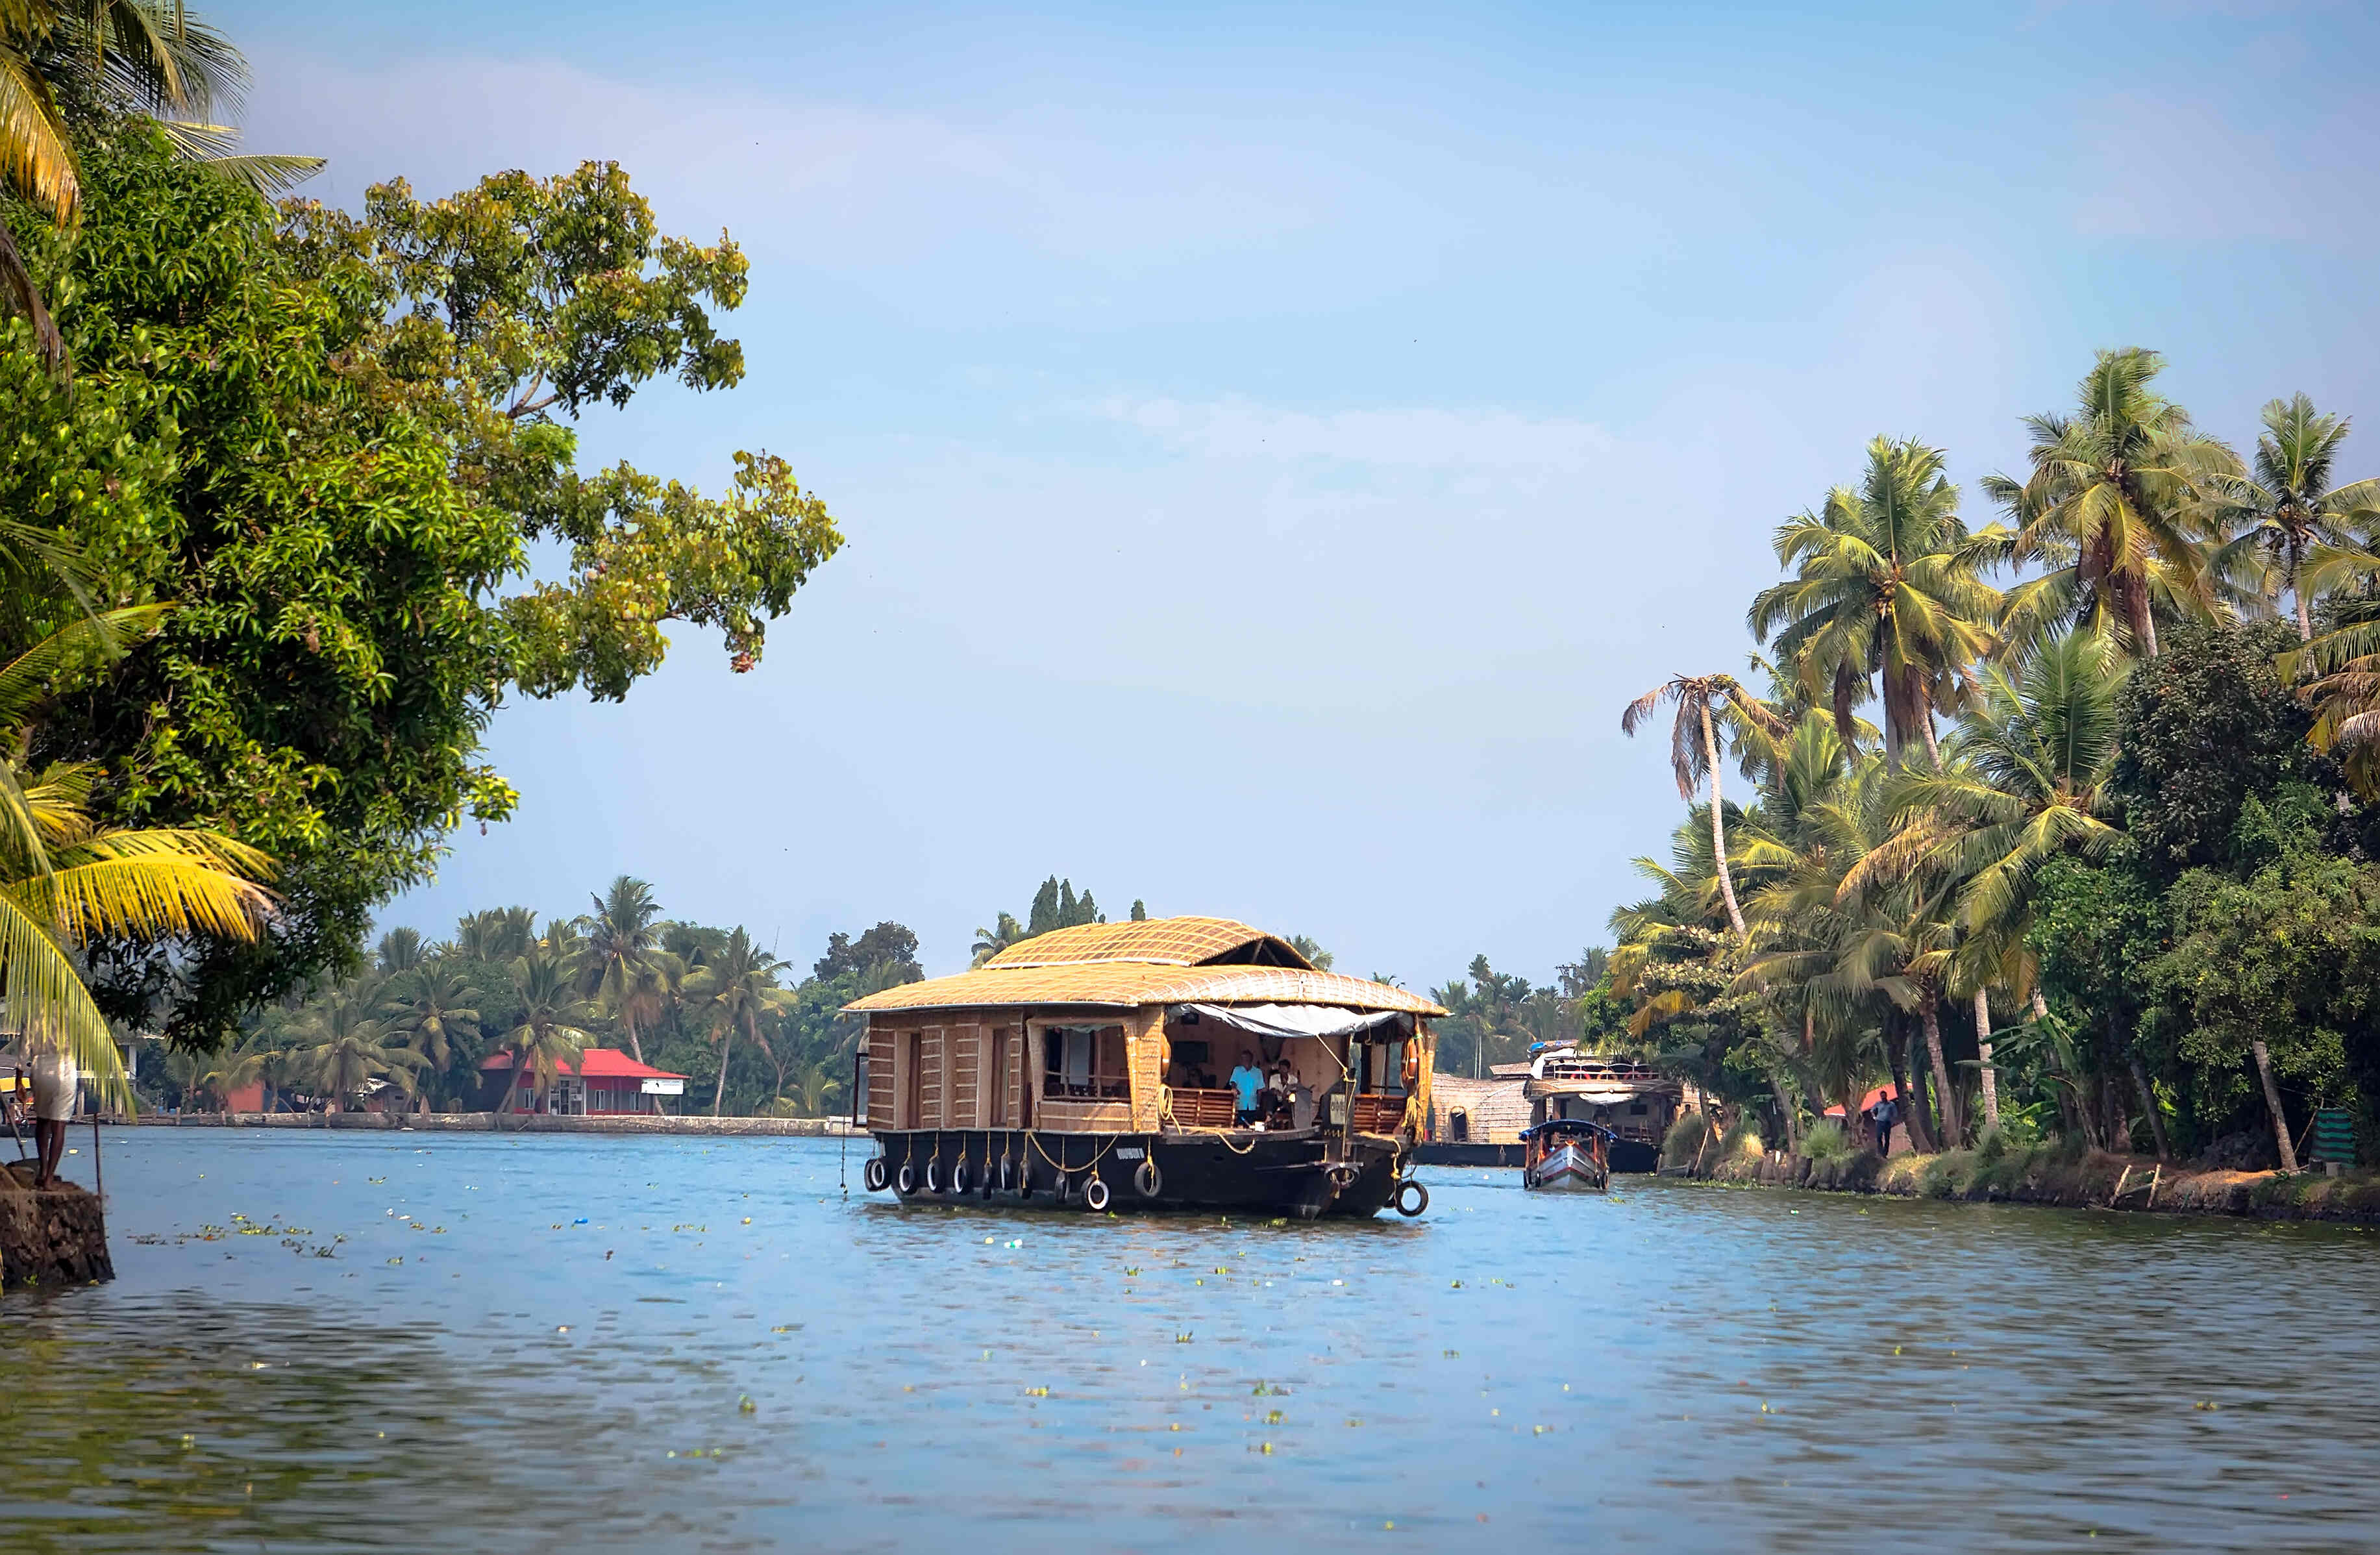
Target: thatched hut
point(1092, 1066)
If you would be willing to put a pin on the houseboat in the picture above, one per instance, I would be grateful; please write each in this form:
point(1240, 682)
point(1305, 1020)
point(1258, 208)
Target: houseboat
point(1634, 1103)
point(1092, 1067)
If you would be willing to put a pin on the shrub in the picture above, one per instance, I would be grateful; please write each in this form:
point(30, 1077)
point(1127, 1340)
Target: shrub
point(1824, 1140)
point(1680, 1145)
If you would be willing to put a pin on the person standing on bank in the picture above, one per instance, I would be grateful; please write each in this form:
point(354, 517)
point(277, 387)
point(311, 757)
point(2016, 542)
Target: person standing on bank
point(57, 1085)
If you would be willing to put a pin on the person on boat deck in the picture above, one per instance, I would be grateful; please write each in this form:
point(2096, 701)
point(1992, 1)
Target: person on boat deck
point(1246, 1080)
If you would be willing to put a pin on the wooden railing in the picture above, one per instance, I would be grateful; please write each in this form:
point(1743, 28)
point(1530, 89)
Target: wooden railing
point(1379, 1114)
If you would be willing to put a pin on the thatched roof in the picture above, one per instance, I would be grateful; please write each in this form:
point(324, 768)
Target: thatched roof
point(1162, 961)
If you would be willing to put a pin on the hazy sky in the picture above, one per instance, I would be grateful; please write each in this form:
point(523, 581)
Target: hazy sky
point(1274, 443)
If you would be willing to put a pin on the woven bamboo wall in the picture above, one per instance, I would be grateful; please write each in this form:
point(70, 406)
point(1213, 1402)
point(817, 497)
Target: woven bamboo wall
point(1143, 1037)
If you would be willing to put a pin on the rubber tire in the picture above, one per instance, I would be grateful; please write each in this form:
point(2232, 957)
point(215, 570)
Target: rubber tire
point(958, 1177)
point(875, 1174)
point(906, 1181)
point(1148, 1178)
point(934, 1176)
point(1007, 1176)
point(1094, 1195)
point(1421, 1203)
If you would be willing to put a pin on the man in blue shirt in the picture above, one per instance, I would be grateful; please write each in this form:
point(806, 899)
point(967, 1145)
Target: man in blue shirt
point(1246, 1080)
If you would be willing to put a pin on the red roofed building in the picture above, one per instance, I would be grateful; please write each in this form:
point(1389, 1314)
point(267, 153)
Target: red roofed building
point(603, 1082)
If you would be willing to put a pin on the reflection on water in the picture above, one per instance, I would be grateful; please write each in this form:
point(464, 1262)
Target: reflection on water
point(562, 1343)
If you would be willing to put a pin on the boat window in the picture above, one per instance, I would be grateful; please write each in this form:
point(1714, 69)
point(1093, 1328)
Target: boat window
point(1082, 1060)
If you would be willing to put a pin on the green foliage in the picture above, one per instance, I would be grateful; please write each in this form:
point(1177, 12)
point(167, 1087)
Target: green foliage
point(332, 441)
point(1824, 1140)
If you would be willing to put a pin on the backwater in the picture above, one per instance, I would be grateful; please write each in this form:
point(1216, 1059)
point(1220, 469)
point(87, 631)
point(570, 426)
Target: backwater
point(415, 1343)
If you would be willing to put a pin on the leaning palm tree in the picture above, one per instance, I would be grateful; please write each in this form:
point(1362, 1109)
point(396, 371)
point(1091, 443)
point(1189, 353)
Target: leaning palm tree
point(551, 1033)
point(622, 943)
point(68, 881)
point(353, 1048)
point(1693, 752)
point(1885, 585)
point(2288, 507)
point(2117, 507)
point(734, 990)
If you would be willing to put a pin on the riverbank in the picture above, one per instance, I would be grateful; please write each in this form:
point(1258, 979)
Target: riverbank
point(2051, 1174)
point(55, 1235)
point(486, 1123)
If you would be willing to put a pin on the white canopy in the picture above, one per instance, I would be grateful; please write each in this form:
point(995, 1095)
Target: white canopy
point(1291, 1020)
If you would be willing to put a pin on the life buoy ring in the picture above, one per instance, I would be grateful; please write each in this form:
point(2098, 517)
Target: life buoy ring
point(933, 1176)
point(1094, 1195)
point(959, 1175)
point(907, 1181)
point(875, 1174)
point(1148, 1179)
point(1412, 1198)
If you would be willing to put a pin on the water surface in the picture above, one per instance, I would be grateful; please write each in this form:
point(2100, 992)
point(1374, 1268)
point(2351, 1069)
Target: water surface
point(401, 1341)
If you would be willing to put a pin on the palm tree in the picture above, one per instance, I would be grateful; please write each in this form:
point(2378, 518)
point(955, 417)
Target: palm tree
point(2289, 507)
point(430, 1007)
point(236, 1070)
point(2116, 503)
point(1885, 584)
point(351, 1047)
point(814, 1090)
point(400, 951)
point(622, 943)
point(550, 1034)
point(734, 990)
point(150, 57)
point(1004, 932)
point(68, 882)
point(1693, 752)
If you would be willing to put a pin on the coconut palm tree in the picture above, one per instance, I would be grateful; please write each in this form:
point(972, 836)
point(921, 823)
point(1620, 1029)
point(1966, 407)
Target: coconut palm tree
point(1006, 931)
point(1693, 752)
point(349, 1047)
point(1885, 584)
point(431, 1008)
point(68, 881)
point(551, 1033)
point(400, 951)
point(2288, 507)
point(236, 1069)
point(734, 990)
point(622, 943)
point(2117, 505)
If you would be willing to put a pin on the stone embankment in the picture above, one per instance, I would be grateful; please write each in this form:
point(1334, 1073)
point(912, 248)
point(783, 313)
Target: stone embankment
point(49, 1236)
point(486, 1123)
point(2048, 1174)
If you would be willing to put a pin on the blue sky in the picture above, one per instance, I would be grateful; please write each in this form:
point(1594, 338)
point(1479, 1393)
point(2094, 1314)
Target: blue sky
point(1274, 443)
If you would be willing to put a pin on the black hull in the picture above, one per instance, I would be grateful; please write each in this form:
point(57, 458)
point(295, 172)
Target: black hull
point(1304, 1176)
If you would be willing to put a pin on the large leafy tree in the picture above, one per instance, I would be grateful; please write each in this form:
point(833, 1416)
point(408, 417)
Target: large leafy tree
point(349, 430)
point(2116, 508)
point(1885, 586)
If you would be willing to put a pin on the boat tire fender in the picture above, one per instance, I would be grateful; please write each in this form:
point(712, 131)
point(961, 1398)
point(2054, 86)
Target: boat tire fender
point(1149, 1179)
point(1094, 1195)
point(933, 1176)
point(907, 1181)
point(959, 1175)
point(1412, 1198)
point(875, 1174)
